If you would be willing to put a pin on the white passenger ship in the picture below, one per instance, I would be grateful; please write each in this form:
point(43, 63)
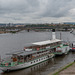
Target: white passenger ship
point(33, 54)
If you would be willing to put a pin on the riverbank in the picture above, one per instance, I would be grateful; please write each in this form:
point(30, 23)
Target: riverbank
point(2, 32)
point(68, 69)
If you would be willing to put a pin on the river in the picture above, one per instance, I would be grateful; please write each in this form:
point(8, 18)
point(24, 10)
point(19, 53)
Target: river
point(12, 42)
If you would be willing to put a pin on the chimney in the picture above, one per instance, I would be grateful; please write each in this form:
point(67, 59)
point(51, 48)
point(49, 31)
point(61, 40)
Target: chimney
point(53, 34)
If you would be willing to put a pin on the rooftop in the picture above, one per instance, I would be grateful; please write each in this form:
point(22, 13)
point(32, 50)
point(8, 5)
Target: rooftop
point(46, 42)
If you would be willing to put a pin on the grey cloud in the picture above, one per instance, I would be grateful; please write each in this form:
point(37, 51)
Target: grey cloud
point(57, 8)
point(35, 9)
point(19, 6)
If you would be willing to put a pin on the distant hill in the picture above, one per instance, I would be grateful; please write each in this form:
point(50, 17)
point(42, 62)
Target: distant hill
point(73, 23)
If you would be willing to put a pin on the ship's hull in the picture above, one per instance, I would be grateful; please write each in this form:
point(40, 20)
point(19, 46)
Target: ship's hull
point(63, 51)
point(26, 65)
point(72, 50)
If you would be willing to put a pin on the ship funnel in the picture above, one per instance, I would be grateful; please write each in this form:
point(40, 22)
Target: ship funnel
point(53, 34)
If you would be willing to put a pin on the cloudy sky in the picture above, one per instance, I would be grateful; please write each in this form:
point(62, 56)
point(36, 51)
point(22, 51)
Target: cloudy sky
point(37, 11)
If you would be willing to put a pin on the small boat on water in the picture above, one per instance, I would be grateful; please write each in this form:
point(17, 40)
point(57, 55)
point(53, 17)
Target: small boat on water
point(72, 31)
point(72, 47)
point(32, 54)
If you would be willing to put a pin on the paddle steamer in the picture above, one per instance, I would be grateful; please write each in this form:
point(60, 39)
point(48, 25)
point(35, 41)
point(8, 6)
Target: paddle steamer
point(32, 54)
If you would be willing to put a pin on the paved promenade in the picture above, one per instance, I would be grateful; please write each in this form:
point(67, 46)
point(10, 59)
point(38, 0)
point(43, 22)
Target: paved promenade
point(69, 71)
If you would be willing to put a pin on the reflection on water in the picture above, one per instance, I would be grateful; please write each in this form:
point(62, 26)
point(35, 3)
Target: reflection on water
point(12, 42)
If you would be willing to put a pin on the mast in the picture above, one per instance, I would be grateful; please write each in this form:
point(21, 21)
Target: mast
point(60, 35)
point(0, 58)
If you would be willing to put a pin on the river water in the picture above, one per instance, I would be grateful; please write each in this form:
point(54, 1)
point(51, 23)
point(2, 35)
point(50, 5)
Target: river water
point(12, 42)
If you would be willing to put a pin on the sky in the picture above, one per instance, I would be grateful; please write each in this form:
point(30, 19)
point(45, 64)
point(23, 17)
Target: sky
point(37, 11)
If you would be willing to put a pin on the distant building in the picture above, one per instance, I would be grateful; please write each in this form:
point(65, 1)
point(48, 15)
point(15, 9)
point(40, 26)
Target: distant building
point(19, 25)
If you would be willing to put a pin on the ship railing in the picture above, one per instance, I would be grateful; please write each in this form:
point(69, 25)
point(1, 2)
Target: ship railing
point(39, 56)
point(59, 51)
point(7, 62)
point(7, 59)
point(50, 48)
point(10, 64)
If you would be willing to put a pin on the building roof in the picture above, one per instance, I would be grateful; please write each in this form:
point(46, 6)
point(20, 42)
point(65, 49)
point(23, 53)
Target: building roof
point(46, 42)
point(22, 52)
point(15, 52)
point(27, 53)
